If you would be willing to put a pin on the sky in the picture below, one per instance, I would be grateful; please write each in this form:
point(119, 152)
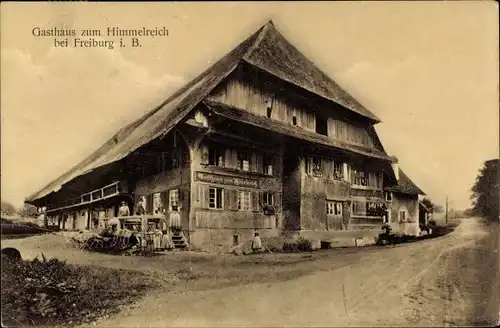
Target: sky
point(428, 70)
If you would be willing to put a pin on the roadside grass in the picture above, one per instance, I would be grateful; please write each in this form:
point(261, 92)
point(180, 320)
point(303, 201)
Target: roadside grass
point(49, 292)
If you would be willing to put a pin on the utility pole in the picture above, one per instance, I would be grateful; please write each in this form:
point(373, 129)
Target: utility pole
point(446, 215)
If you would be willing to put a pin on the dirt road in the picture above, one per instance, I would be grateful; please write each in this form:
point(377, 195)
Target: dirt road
point(447, 281)
point(432, 283)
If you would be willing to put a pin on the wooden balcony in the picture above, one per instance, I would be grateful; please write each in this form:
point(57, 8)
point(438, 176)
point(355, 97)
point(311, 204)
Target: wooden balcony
point(112, 190)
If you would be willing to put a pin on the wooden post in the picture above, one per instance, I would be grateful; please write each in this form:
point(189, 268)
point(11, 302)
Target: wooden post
point(45, 220)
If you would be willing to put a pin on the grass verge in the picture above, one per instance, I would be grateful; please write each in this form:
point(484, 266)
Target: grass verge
point(51, 292)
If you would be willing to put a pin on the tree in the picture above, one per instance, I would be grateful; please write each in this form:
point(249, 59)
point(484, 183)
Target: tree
point(486, 191)
point(436, 208)
point(28, 211)
point(8, 209)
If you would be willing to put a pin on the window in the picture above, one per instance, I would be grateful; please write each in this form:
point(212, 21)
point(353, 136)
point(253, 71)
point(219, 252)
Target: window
point(359, 178)
point(402, 215)
point(158, 204)
point(314, 166)
point(173, 196)
point(321, 125)
point(244, 161)
point(334, 208)
point(294, 120)
point(388, 196)
point(215, 156)
point(244, 200)
point(338, 171)
point(268, 165)
point(215, 198)
point(377, 209)
point(269, 112)
point(268, 198)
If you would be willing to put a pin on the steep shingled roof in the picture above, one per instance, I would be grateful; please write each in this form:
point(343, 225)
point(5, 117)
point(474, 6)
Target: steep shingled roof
point(405, 186)
point(266, 49)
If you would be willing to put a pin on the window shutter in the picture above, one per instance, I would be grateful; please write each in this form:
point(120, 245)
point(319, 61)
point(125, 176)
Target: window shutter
point(327, 167)
point(259, 163)
point(149, 202)
point(204, 154)
point(164, 200)
point(227, 199)
point(253, 163)
point(233, 199)
point(203, 196)
point(277, 202)
point(228, 161)
point(234, 159)
point(255, 201)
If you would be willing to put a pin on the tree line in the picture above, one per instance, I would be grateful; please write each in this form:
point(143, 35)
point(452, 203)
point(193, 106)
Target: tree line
point(486, 192)
point(27, 211)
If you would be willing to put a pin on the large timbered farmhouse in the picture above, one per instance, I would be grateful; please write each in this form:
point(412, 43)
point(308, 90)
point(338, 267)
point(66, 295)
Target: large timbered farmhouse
point(260, 141)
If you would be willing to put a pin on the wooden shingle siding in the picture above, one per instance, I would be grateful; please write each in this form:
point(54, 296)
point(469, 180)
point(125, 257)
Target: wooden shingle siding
point(240, 94)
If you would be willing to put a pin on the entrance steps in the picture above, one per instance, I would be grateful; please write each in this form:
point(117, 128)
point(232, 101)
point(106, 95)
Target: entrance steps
point(179, 240)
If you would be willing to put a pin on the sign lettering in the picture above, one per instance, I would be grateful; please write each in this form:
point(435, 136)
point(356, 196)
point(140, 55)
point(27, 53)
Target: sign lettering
point(227, 180)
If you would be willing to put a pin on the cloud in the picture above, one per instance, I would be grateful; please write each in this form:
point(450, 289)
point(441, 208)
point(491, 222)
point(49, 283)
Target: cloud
point(59, 108)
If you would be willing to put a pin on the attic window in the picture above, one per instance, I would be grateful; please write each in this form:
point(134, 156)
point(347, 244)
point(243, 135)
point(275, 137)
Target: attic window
point(269, 111)
point(294, 120)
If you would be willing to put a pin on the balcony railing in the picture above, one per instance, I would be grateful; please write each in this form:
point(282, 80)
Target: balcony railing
point(105, 192)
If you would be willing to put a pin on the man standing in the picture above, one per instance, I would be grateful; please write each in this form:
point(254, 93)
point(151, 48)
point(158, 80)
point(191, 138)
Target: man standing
point(140, 210)
point(124, 210)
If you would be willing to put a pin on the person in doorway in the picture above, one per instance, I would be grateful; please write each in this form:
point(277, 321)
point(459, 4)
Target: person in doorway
point(256, 243)
point(175, 218)
point(140, 209)
point(124, 210)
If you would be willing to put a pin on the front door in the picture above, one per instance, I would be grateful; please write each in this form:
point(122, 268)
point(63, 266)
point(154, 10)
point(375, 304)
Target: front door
point(174, 208)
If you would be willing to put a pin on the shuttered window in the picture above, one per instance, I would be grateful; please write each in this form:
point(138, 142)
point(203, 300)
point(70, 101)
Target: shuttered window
point(215, 156)
point(268, 165)
point(244, 161)
point(268, 198)
point(244, 200)
point(215, 198)
point(173, 197)
point(158, 206)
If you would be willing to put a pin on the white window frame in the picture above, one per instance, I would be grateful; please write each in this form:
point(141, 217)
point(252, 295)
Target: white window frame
point(244, 200)
point(213, 202)
point(266, 196)
point(173, 199)
point(157, 206)
point(334, 208)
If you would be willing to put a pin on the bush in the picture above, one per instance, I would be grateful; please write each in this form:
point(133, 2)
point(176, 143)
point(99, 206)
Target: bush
point(300, 245)
point(50, 292)
point(20, 228)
